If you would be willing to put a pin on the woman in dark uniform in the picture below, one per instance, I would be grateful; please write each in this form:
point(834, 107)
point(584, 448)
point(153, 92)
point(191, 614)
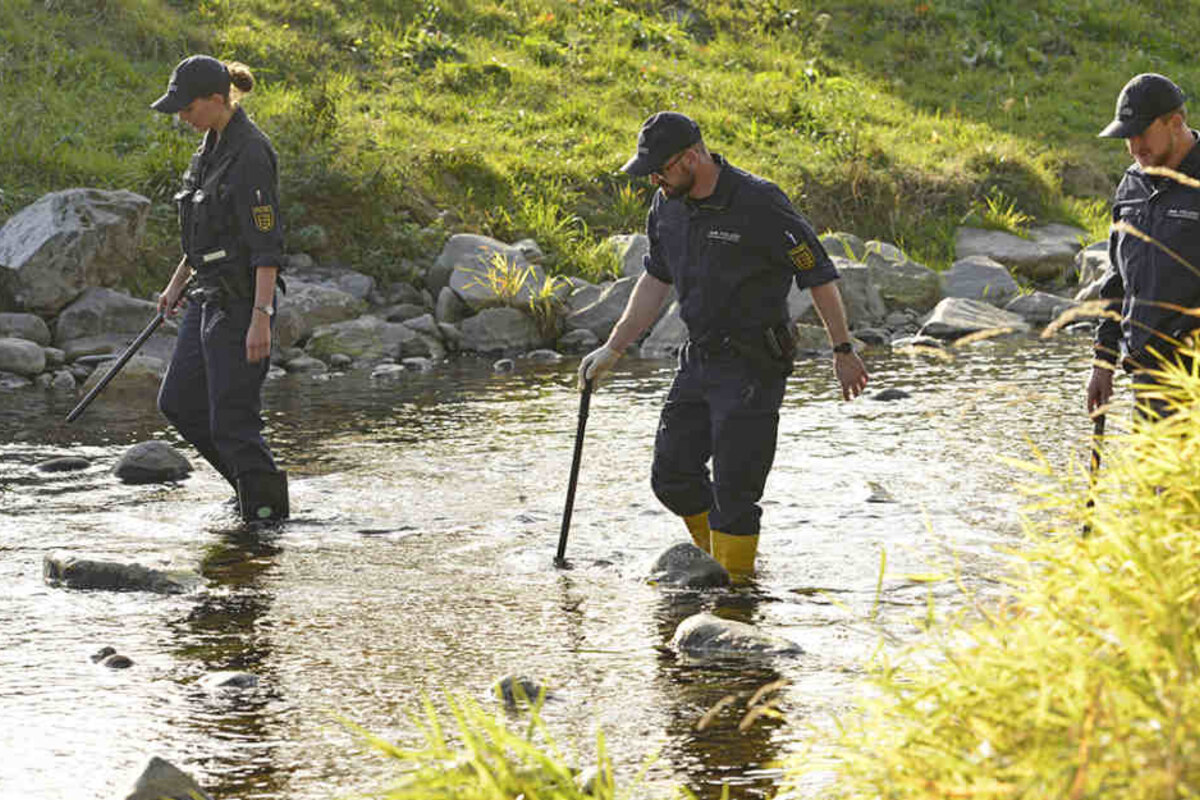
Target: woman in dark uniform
point(232, 251)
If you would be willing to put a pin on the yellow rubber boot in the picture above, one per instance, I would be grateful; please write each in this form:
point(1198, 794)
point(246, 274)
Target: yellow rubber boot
point(697, 525)
point(735, 553)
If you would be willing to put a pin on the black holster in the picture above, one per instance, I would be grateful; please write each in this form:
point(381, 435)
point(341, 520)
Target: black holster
point(772, 351)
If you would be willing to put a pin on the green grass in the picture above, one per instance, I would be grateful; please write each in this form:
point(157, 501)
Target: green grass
point(1084, 683)
point(400, 121)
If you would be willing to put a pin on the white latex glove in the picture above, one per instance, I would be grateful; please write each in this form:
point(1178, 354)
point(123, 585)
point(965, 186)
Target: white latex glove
point(595, 364)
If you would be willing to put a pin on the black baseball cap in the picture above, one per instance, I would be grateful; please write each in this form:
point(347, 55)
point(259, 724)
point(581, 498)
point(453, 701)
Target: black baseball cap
point(195, 76)
point(1144, 99)
point(662, 135)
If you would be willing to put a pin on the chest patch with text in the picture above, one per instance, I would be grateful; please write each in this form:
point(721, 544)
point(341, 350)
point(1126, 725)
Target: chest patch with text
point(729, 237)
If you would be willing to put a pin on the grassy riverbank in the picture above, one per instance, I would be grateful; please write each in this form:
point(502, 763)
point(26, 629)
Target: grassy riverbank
point(400, 121)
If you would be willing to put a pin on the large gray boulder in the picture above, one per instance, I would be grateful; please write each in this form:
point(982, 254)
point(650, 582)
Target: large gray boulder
point(65, 242)
point(367, 339)
point(861, 297)
point(478, 291)
point(901, 283)
point(474, 255)
point(499, 330)
point(844, 245)
point(1048, 253)
point(1039, 308)
point(980, 278)
point(22, 357)
point(160, 346)
point(24, 326)
point(600, 316)
point(100, 311)
point(450, 307)
point(631, 250)
point(706, 635)
point(163, 781)
point(583, 294)
point(667, 335)
point(308, 306)
point(686, 566)
point(955, 317)
point(1092, 262)
point(152, 462)
point(69, 571)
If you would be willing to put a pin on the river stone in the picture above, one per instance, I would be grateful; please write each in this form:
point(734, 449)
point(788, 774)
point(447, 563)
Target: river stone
point(1039, 308)
point(402, 292)
point(309, 306)
point(338, 360)
point(381, 371)
point(1049, 253)
point(667, 336)
point(888, 395)
point(140, 377)
point(844, 245)
point(55, 248)
point(583, 296)
point(860, 297)
point(103, 653)
point(472, 285)
point(22, 357)
point(117, 661)
point(543, 356)
point(228, 680)
point(367, 339)
point(902, 342)
point(163, 781)
point(955, 317)
point(902, 283)
point(704, 634)
point(517, 690)
point(417, 364)
point(630, 250)
point(687, 566)
point(470, 254)
point(503, 365)
point(71, 572)
point(577, 342)
point(426, 325)
point(64, 464)
point(54, 357)
point(873, 337)
point(402, 312)
point(979, 278)
point(601, 316)
point(99, 311)
point(500, 330)
point(451, 336)
point(355, 284)
point(161, 345)
point(1092, 263)
point(306, 364)
point(152, 462)
point(450, 307)
point(63, 381)
point(24, 326)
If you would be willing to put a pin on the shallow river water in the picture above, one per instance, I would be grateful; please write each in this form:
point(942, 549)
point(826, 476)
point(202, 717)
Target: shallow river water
point(418, 561)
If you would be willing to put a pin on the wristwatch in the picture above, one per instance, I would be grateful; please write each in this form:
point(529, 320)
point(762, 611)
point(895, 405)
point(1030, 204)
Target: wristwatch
point(268, 310)
point(844, 347)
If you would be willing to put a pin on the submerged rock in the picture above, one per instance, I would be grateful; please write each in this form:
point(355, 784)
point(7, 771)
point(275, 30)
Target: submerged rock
point(229, 680)
point(71, 572)
point(64, 464)
point(152, 462)
point(687, 566)
point(517, 690)
point(887, 395)
point(161, 780)
point(707, 635)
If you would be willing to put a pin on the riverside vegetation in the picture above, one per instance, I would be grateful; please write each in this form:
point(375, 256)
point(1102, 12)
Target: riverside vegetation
point(400, 122)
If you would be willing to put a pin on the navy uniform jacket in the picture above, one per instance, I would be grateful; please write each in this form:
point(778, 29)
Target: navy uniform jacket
point(229, 206)
point(1142, 273)
point(733, 255)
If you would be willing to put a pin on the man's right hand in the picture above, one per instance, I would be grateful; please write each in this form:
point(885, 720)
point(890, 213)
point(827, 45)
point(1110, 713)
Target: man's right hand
point(595, 364)
point(1099, 389)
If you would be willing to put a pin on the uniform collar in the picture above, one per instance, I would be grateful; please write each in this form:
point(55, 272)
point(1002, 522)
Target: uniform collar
point(235, 129)
point(722, 193)
point(1191, 162)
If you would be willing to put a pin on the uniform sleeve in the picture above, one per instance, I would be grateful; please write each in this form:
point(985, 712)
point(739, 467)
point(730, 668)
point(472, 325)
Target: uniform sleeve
point(1108, 332)
point(653, 260)
point(255, 188)
point(792, 243)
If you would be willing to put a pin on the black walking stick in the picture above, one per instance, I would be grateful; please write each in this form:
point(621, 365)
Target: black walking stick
point(116, 367)
point(1093, 468)
point(585, 398)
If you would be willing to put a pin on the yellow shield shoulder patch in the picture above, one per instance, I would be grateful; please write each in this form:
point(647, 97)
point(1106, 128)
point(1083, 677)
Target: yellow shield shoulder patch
point(802, 257)
point(264, 217)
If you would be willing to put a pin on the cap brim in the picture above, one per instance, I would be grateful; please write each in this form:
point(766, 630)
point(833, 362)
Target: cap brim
point(169, 103)
point(1124, 128)
point(640, 166)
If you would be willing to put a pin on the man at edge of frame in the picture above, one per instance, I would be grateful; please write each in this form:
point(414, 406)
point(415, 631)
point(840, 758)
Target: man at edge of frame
point(731, 244)
point(1149, 284)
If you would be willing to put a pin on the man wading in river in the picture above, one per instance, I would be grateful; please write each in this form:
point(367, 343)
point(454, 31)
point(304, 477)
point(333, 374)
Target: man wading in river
point(731, 244)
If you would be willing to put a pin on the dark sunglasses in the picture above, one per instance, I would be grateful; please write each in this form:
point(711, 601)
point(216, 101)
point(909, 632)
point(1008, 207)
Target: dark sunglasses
point(661, 172)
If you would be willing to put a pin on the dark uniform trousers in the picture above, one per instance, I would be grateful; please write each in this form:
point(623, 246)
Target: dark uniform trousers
point(719, 407)
point(212, 395)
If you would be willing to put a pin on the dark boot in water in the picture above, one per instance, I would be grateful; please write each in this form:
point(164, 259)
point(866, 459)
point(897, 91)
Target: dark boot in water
point(263, 496)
